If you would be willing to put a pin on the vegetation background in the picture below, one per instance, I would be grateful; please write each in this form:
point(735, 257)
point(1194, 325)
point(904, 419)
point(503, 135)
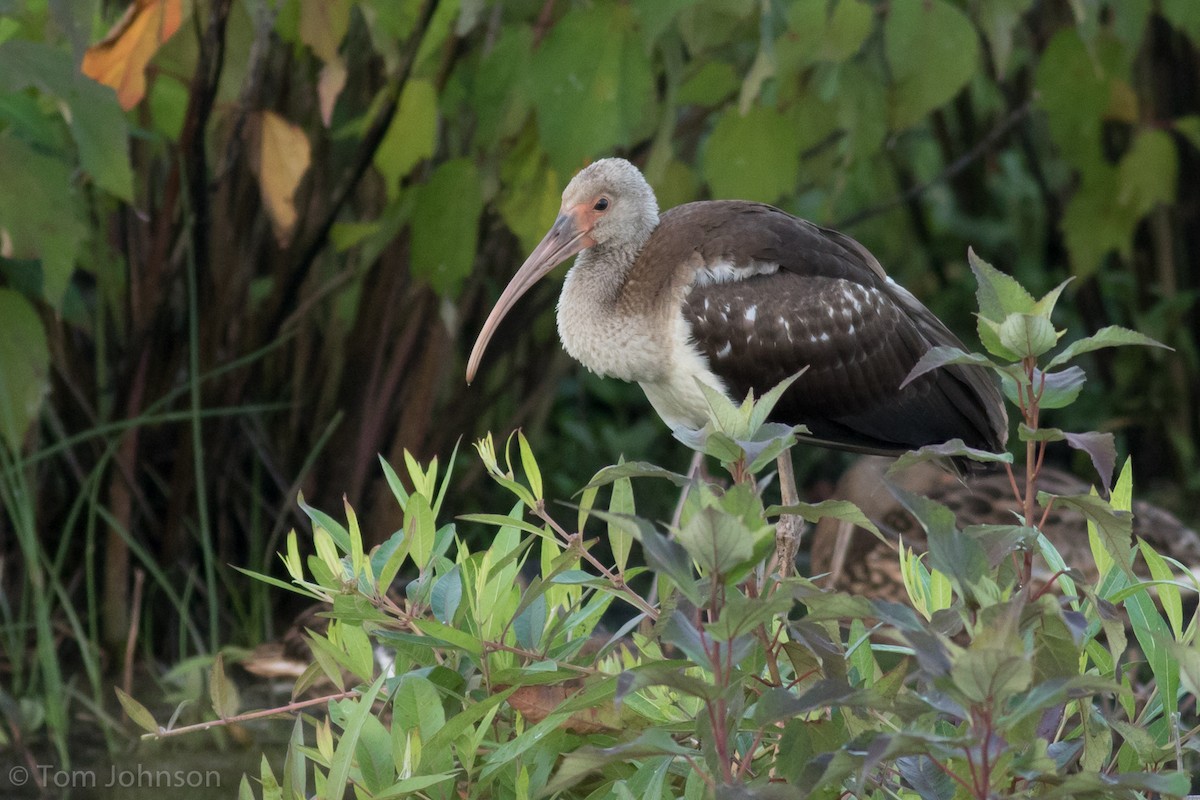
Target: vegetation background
point(254, 254)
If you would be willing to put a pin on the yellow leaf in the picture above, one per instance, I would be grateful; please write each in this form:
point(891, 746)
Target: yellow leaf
point(323, 25)
point(279, 156)
point(120, 59)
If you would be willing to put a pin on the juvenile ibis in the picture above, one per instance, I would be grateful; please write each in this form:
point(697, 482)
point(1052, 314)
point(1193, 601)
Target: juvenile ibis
point(742, 295)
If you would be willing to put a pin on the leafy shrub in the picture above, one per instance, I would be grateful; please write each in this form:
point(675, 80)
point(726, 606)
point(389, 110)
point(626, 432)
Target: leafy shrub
point(721, 676)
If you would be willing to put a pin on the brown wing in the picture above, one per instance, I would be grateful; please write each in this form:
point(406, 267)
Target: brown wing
point(830, 307)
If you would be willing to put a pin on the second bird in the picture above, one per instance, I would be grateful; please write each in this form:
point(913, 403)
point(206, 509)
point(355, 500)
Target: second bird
point(742, 295)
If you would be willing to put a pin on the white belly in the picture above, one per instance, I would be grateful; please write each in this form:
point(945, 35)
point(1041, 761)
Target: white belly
point(657, 354)
point(677, 397)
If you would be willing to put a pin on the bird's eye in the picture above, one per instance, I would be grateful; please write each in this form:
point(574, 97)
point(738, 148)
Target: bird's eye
point(601, 204)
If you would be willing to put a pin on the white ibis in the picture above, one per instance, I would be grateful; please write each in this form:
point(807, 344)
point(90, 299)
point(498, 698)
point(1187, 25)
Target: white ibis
point(742, 295)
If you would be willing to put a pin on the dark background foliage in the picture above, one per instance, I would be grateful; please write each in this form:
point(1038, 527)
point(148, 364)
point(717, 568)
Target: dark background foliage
point(181, 356)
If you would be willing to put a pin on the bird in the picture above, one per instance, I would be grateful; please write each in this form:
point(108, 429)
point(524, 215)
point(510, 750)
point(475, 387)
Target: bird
point(740, 296)
point(856, 561)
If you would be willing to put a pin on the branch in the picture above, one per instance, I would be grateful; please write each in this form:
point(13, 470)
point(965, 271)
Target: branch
point(163, 733)
point(954, 168)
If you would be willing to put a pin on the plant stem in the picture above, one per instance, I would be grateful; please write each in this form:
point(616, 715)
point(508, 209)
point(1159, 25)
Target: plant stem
point(163, 733)
point(575, 541)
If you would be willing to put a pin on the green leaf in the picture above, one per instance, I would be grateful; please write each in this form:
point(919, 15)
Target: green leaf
point(295, 772)
point(1101, 448)
point(38, 211)
point(997, 293)
point(270, 785)
point(1168, 591)
point(955, 448)
point(932, 50)
point(580, 763)
point(339, 535)
point(24, 361)
point(709, 84)
point(776, 705)
point(420, 529)
point(1111, 336)
point(766, 404)
point(1095, 222)
point(959, 557)
point(1058, 391)
point(1027, 335)
point(769, 443)
point(1189, 126)
point(530, 465)
point(1184, 15)
point(500, 95)
point(999, 19)
point(1148, 172)
point(1114, 526)
point(408, 787)
point(1045, 304)
point(1074, 83)
point(339, 769)
point(446, 595)
point(412, 135)
point(1188, 656)
point(221, 691)
point(592, 99)
point(725, 416)
point(373, 756)
point(532, 191)
point(1153, 636)
point(97, 122)
point(394, 483)
point(718, 542)
point(662, 554)
point(832, 31)
point(619, 540)
point(138, 713)
point(991, 675)
point(634, 469)
point(751, 156)
point(445, 226)
point(359, 655)
point(943, 356)
point(416, 705)
point(842, 510)
point(451, 636)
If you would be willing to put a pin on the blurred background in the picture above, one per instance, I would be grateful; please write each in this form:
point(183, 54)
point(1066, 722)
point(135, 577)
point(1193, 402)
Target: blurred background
point(245, 246)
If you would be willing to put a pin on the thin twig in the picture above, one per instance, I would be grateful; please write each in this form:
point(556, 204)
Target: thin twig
point(163, 733)
point(575, 541)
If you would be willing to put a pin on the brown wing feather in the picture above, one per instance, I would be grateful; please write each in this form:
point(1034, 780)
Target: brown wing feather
point(830, 307)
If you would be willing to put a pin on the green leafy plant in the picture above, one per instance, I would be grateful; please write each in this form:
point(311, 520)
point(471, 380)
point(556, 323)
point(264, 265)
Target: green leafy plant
point(536, 667)
point(212, 215)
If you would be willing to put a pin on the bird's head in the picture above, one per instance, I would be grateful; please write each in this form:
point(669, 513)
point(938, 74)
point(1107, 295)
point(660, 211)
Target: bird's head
point(611, 204)
point(607, 205)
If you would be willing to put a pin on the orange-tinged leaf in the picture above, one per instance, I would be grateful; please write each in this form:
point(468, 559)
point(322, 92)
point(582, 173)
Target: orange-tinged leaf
point(279, 155)
point(120, 59)
point(540, 701)
point(330, 83)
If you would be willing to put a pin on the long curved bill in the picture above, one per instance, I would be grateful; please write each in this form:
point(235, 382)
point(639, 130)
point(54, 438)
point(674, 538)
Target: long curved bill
point(563, 240)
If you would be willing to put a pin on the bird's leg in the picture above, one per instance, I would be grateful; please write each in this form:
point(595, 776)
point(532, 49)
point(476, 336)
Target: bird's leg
point(790, 528)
